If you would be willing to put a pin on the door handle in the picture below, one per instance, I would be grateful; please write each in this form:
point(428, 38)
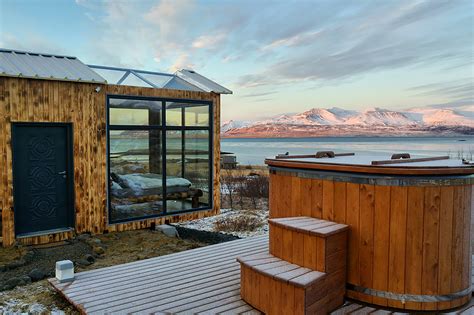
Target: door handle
point(62, 173)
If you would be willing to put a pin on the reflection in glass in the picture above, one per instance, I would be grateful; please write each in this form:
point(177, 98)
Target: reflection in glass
point(193, 171)
point(197, 115)
point(136, 181)
point(174, 114)
point(134, 112)
point(137, 156)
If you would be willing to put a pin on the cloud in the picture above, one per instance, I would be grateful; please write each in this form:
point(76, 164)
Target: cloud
point(462, 89)
point(208, 41)
point(400, 34)
point(262, 45)
point(32, 42)
point(294, 40)
point(182, 62)
point(258, 94)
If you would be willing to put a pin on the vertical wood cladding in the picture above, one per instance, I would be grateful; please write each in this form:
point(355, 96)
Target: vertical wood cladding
point(402, 239)
point(29, 100)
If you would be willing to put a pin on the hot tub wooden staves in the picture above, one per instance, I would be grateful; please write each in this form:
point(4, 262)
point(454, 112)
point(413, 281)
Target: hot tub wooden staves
point(409, 241)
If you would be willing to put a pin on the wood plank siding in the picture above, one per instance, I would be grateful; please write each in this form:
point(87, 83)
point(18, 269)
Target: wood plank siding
point(406, 238)
point(29, 100)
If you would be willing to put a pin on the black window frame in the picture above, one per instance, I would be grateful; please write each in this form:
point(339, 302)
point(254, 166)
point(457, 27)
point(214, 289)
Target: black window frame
point(164, 128)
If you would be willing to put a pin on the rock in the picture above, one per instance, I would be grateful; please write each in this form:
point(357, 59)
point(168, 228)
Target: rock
point(98, 250)
point(168, 230)
point(25, 279)
point(16, 281)
point(29, 255)
point(16, 264)
point(89, 258)
point(83, 262)
point(83, 237)
point(36, 274)
point(95, 241)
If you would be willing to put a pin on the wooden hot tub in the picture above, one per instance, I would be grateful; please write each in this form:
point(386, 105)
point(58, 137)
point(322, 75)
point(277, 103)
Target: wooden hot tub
point(409, 244)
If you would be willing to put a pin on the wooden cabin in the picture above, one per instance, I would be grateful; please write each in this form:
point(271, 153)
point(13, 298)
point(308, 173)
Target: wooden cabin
point(93, 149)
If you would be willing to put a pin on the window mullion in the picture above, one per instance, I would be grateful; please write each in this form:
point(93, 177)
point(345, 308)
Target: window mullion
point(164, 154)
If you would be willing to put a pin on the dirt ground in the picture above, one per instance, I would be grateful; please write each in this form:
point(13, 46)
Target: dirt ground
point(114, 248)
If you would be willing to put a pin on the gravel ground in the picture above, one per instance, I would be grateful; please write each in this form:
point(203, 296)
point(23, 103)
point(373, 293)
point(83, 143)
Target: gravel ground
point(107, 250)
point(43, 260)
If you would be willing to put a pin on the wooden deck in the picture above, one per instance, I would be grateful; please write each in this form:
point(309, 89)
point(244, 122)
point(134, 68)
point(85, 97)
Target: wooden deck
point(203, 280)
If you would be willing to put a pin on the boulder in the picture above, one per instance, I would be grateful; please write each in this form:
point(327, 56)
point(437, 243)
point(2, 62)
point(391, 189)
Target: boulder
point(168, 230)
point(83, 262)
point(89, 258)
point(83, 237)
point(29, 255)
point(95, 241)
point(16, 281)
point(16, 263)
point(98, 250)
point(36, 274)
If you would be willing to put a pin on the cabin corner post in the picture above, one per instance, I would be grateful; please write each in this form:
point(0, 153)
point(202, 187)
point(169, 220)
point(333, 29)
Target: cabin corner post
point(217, 153)
point(6, 202)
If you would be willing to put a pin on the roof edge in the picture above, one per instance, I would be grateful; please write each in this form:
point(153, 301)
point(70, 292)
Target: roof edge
point(16, 51)
point(187, 74)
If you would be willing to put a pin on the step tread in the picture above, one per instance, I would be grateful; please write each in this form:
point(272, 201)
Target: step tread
point(312, 226)
point(282, 270)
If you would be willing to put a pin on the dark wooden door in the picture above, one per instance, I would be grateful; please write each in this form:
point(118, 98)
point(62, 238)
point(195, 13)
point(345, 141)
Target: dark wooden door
point(42, 177)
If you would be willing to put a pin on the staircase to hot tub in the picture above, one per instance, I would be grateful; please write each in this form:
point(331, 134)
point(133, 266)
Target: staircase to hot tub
point(304, 271)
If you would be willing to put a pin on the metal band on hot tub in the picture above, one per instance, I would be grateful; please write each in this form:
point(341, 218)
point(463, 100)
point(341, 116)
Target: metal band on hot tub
point(380, 180)
point(410, 297)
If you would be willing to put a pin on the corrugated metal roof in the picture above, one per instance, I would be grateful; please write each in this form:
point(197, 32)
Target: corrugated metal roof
point(14, 63)
point(202, 82)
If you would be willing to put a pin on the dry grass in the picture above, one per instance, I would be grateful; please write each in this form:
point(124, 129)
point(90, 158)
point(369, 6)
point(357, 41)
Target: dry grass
point(120, 247)
point(242, 223)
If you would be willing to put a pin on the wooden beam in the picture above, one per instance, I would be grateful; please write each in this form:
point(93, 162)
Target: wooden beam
point(434, 158)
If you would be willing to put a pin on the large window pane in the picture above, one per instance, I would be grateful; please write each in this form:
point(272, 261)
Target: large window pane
point(193, 171)
point(174, 114)
point(187, 181)
point(197, 115)
point(178, 188)
point(137, 152)
point(136, 181)
point(134, 112)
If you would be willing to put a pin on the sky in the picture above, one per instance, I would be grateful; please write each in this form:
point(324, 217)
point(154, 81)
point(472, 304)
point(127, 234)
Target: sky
point(276, 56)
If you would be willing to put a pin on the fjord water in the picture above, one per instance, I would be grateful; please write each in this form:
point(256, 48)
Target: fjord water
point(254, 151)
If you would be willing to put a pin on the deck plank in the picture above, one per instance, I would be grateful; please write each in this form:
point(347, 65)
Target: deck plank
point(203, 280)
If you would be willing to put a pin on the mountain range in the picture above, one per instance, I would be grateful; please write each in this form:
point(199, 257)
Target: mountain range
point(372, 122)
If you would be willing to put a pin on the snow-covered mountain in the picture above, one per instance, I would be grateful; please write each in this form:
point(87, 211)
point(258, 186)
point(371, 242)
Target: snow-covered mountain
point(380, 117)
point(337, 121)
point(234, 124)
point(446, 117)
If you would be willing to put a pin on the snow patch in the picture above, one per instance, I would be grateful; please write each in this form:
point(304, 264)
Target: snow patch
point(207, 224)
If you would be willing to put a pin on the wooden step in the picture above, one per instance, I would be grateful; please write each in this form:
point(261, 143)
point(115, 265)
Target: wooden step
point(316, 244)
point(275, 286)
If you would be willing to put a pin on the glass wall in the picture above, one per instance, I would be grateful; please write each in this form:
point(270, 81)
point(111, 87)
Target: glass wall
point(158, 168)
